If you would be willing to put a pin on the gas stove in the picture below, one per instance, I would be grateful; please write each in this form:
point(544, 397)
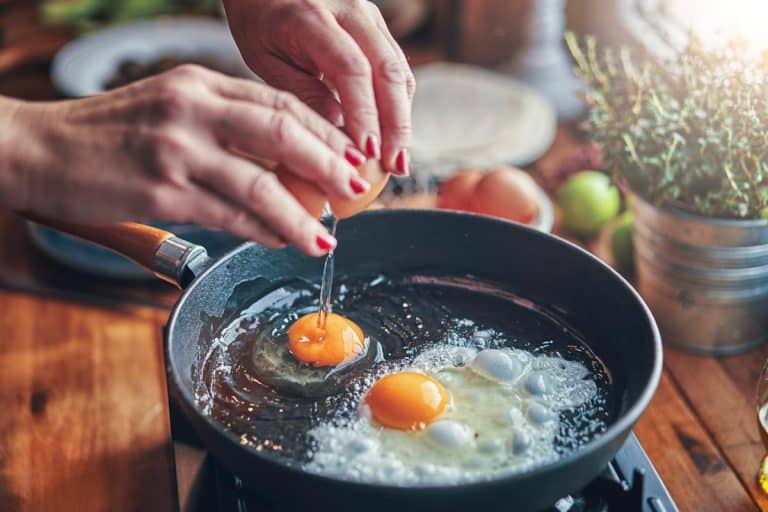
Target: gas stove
point(629, 483)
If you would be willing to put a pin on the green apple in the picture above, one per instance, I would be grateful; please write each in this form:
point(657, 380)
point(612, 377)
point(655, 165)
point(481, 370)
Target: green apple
point(622, 247)
point(588, 200)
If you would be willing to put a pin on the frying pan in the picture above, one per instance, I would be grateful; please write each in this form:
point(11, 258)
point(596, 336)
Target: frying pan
point(583, 291)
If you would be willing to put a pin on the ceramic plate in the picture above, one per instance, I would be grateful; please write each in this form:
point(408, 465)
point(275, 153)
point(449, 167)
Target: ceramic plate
point(83, 67)
point(463, 115)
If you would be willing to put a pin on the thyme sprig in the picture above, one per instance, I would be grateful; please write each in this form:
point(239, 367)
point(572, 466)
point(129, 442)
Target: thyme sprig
point(690, 134)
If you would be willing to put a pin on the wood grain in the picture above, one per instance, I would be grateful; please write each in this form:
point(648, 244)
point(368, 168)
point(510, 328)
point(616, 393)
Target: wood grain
point(687, 458)
point(727, 409)
point(84, 422)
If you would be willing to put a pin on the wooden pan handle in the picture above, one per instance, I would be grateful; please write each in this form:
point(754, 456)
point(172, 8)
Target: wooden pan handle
point(170, 258)
point(138, 242)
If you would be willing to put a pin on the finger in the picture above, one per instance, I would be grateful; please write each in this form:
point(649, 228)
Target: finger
point(390, 86)
point(247, 90)
point(336, 54)
point(261, 193)
point(378, 18)
point(308, 88)
point(210, 210)
point(277, 135)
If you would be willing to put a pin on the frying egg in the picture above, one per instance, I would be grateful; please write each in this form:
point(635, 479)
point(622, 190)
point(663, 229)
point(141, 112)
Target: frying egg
point(508, 193)
point(407, 400)
point(452, 413)
point(336, 342)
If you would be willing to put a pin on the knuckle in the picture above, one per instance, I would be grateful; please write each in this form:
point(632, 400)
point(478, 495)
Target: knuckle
point(357, 6)
point(308, 9)
point(410, 83)
point(262, 186)
point(399, 130)
point(174, 101)
point(354, 64)
point(168, 149)
point(331, 169)
point(368, 114)
point(394, 72)
point(283, 128)
point(286, 102)
point(189, 72)
point(169, 143)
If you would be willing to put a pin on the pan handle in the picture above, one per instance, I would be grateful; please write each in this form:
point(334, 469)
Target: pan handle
point(169, 257)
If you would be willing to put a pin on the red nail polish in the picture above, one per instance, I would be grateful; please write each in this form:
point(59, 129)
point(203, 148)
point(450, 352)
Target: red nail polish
point(325, 242)
point(372, 146)
point(402, 163)
point(354, 157)
point(358, 186)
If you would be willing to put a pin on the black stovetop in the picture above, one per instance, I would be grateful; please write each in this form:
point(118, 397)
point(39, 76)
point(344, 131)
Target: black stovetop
point(629, 484)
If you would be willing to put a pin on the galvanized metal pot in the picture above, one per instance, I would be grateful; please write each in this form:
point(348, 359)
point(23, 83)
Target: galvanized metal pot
point(705, 279)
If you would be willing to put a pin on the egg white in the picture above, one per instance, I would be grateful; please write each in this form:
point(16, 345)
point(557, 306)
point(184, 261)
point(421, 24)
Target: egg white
point(502, 418)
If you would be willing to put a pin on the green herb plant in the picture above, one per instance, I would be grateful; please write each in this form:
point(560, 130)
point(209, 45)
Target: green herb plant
point(690, 134)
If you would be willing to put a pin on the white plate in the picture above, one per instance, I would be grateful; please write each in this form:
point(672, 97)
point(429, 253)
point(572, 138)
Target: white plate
point(464, 115)
point(83, 66)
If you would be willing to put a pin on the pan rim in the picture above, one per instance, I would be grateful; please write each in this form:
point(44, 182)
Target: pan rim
point(624, 423)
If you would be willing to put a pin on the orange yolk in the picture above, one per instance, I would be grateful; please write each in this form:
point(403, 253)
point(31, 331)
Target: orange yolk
point(407, 400)
point(340, 340)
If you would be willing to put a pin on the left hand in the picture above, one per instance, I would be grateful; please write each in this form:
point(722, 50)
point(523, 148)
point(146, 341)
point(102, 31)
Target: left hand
point(316, 48)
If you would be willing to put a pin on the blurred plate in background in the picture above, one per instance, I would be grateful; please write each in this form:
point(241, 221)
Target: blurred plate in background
point(469, 116)
point(84, 66)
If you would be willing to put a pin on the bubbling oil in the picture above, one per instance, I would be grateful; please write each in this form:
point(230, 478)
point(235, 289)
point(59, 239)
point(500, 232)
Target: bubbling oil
point(250, 384)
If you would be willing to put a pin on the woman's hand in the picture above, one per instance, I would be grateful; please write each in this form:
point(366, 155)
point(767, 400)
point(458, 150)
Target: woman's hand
point(310, 47)
point(160, 149)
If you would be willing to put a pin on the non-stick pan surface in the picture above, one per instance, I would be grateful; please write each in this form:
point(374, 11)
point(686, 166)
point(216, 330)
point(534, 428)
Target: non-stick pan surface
point(583, 291)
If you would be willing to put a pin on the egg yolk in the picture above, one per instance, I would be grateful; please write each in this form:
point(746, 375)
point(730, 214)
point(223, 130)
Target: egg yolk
point(407, 400)
point(339, 340)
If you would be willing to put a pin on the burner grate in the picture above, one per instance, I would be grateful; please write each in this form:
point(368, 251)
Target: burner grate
point(628, 484)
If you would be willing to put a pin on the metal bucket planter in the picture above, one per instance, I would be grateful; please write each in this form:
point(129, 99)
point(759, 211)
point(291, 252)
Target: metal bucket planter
point(705, 279)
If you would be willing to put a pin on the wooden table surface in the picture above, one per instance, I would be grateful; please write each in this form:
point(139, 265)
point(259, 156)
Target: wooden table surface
point(83, 409)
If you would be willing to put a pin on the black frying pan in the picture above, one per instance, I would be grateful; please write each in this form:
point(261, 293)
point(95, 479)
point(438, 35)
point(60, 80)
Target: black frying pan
point(551, 272)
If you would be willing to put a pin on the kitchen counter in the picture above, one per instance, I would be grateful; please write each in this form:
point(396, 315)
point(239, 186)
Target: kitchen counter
point(83, 408)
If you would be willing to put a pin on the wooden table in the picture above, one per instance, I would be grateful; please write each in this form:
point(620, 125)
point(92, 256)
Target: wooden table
point(83, 409)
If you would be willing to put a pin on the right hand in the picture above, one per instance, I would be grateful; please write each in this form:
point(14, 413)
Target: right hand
point(160, 149)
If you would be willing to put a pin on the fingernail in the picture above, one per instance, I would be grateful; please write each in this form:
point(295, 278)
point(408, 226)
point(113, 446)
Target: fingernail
point(326, 242)
point(354, 157)
point(402, 163)
point(359, 185)
point(372, 146)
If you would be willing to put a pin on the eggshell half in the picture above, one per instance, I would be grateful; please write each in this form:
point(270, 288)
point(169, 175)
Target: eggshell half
point(313, 198)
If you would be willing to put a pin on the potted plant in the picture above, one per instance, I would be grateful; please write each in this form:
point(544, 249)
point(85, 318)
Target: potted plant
point(689, 140)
